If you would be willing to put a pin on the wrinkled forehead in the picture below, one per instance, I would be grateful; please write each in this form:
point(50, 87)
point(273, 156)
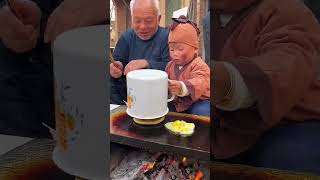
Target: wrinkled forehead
point(146, 8)
point(144, 13)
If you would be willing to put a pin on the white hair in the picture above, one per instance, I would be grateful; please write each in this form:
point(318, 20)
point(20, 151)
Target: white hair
point(155, 3)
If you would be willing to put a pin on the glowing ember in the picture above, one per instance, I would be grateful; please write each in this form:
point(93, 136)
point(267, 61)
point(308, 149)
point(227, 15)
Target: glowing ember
point(144, 165)
point(149, 166)
point(199, 175)
point(184, 161)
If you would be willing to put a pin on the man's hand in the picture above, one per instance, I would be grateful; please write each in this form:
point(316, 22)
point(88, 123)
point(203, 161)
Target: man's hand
point(175, 87)
point(116, 69)
point(135, 65)
point(72, 14)
point(20, 33)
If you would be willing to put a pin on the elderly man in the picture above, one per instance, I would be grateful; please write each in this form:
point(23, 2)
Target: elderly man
point(143, 46)
point(266, 90)
point(26, 82)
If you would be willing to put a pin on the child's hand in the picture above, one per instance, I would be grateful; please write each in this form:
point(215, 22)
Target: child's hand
point(116, 69)
point(175, 87)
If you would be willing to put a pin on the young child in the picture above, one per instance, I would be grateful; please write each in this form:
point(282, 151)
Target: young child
point(189, 75)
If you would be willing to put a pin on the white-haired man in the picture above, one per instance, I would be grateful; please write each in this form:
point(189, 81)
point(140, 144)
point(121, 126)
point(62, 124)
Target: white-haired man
point(143, 46)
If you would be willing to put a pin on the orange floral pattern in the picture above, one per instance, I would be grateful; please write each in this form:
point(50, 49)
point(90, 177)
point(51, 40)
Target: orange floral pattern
point(129, 101)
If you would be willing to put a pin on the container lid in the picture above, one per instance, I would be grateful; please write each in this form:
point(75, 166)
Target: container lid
point(90, 41)
point(147, 74)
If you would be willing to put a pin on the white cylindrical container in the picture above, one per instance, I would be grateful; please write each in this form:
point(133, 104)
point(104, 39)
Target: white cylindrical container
point(80, 58)
point(147, 91)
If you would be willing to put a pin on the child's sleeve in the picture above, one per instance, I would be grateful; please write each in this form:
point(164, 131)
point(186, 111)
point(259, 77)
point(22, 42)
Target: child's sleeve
point(199, 82)
point(184, 90)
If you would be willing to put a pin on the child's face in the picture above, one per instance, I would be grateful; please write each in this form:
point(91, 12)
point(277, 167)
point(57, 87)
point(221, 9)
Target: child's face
point(181, 53)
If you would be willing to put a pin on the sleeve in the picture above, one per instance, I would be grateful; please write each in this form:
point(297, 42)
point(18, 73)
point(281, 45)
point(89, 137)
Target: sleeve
point(161, 63)
point(199, 80)
point(184, 90)
point(286, 61)
point(121, 51)
point(241, 98)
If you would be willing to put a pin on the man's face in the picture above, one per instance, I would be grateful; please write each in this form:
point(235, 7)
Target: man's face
point(145, 21)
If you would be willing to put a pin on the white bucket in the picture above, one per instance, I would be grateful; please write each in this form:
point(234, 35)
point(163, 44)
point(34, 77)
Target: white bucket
point(147, 91)
point(80, 60)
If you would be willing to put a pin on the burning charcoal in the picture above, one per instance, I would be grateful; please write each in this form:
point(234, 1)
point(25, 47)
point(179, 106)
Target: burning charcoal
point(178, 171)
point(153, 176)
point(157, 156)
point(199, 175)
point(169, 162)
point(191, 172)
point(148, 166)
point(181, 176)
point(184, 172)
point(153, 173)
point(163, 162)
point(205, 170)
point(160, 162)
point(116, 158)
point(160, 157)
point(140, 178)
point(172, 173)
point(162, 175)
point(137, 174)
point(130, 167)
point(188, 171)
point(184, 161)
point(196, 165)
point(140, 165)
